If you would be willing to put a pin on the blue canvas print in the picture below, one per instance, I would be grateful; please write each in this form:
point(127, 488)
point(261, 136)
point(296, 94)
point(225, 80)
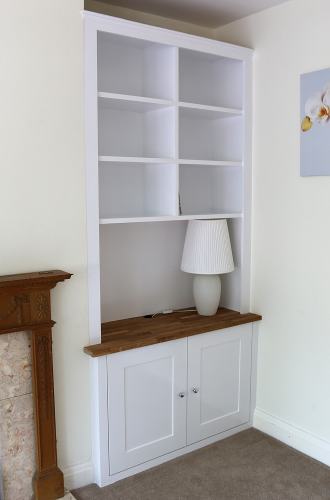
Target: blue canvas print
point(315, 123)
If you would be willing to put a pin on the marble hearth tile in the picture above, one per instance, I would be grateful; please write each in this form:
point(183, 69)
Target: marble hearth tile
point(15, 365)
point(17, 447)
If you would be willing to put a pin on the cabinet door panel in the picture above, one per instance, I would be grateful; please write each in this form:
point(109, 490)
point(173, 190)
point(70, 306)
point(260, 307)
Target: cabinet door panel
point(219, 367)
point(147, 418)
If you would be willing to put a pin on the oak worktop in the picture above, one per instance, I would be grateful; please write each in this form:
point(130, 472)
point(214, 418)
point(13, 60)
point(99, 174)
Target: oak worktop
point(132, 333)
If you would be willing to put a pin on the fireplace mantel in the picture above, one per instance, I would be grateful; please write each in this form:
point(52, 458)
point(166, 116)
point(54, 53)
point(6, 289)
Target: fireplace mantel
point(25, 305)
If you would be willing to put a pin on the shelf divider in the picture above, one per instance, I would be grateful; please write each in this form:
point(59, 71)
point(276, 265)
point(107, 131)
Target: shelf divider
point(135, 102)
point(207, 111)
point(134, 159)
point(215, 163)
point(169, 218)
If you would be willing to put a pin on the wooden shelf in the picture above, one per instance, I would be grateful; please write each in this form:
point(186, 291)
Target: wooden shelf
point(169, 218)
point(205, 111)
point(132, 333)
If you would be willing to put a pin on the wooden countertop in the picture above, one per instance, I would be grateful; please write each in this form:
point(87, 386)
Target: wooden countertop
point(131, 333)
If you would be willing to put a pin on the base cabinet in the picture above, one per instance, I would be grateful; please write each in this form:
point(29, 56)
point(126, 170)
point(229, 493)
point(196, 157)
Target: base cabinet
point(147, 403)
point(219, 378)
point(167, 396)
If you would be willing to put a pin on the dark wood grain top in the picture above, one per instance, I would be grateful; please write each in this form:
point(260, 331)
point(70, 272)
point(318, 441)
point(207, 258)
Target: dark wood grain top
point(131, 333)
point(33, 279)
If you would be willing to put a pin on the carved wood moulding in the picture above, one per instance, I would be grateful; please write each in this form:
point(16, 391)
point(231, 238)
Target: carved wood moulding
point(25, 305)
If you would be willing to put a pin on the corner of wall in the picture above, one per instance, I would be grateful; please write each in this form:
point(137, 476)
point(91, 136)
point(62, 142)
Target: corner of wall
point(146, 18)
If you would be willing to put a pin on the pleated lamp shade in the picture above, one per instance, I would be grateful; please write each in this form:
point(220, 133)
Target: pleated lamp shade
point(207, 248)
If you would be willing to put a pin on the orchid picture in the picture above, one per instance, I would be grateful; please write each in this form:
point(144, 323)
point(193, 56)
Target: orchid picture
point(315, 123)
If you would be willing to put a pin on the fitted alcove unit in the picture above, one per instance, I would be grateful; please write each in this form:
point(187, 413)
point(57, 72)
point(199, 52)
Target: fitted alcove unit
point(168, 139)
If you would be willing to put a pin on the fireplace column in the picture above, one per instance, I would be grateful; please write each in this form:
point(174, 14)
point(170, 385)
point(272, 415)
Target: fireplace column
point(25, 305)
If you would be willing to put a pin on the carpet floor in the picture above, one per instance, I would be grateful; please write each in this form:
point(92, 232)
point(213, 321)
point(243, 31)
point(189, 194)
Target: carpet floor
point(249, 465)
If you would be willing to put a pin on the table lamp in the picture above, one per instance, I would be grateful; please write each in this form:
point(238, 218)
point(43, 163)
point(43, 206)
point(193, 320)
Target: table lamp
point(207, 254)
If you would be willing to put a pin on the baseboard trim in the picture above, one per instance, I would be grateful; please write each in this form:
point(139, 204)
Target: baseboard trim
point(293, 436)
point(170, 456)
point(77, 476)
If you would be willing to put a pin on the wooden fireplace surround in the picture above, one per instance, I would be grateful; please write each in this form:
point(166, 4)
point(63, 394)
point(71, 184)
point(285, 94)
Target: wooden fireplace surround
point(25, 305)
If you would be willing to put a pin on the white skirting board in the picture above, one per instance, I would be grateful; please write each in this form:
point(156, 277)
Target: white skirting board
point(293, 436)
point(81, 475)
point(77, 476)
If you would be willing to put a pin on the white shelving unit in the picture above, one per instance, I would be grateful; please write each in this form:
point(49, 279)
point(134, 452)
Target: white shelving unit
point(168, 139)
point(166, 105)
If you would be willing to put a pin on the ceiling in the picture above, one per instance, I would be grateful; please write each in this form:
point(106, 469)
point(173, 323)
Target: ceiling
point(210, 13)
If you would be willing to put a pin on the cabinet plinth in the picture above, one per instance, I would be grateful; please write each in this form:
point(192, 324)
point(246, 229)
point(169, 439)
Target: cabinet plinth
point(132, 333)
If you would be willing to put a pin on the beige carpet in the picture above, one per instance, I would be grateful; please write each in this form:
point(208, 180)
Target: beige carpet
point(249, 466)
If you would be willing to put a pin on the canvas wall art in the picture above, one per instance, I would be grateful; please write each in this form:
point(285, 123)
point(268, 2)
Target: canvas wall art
point(315, 123)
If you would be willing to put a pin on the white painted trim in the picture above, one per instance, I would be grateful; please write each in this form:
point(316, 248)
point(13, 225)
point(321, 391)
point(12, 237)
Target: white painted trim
point(296, 437)
point(175, 454)
point(245, 305)
point(100, 423)
point(77, 476)
point(254, 369)
point(92, 183)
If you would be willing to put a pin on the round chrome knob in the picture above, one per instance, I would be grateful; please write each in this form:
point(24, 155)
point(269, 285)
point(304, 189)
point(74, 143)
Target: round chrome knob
point(181, 394)
point(195, 390)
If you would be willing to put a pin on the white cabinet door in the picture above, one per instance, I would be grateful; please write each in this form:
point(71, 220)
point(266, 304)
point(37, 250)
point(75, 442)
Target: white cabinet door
point(147, 403)
point(219, 368)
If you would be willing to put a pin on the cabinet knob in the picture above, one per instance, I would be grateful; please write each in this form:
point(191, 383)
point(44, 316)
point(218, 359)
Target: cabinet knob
point(181, 394)
point(195, 390)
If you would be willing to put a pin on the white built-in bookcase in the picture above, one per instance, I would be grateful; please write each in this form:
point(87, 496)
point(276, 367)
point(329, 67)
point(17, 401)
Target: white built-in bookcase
point(168, 135)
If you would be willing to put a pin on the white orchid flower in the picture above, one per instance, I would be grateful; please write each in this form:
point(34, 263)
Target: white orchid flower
point(317, 108)
point(326, 95)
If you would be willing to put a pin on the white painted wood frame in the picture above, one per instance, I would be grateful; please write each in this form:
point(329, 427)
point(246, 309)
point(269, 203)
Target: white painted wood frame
point(165, 104)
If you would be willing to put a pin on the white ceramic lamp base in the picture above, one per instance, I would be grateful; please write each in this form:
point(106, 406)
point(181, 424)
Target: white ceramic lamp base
point(207, 293)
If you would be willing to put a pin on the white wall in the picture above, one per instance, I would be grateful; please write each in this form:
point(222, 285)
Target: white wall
point(42, 192)
point(291, 237)
point(146, 18)
point(42, 215)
